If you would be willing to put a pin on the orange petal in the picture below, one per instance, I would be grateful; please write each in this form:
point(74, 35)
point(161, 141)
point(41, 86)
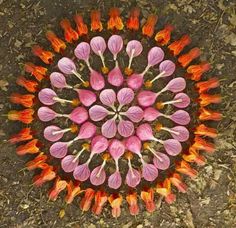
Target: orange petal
point(100, 200)
point(46, 175)
point(24, 135)
point(132, 200)
point(202, 144)
point(176, 180)
point(177, 46)
point(57, 44)
point(203, 130)
point(37, 162)
point(38, 72)
point(28, 148)
point(45, 56)
point(193, 156)
point(164, 189)
point(206, 85)
point(187, 58)
point(72, 191)
point(87, 199)
point(29, 85)
point(206, 99)
point(24, 116)
point(195, 72)
point(115, 201)
point(133, 20)
point(147, 195)
point(69, 33)
point(115, 21)
point(185, 168)
point(163, 36)
point(96, 24)
point(206, 114)
point(82, 28)
point(26, 100)
point(59, 185)
point(149, 26)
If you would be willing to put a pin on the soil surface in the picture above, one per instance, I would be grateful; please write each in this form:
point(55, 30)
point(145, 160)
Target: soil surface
point(211, 197)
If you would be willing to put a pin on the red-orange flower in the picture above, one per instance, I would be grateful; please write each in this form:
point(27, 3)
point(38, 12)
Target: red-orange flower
point(24, 116)
point(206, 99)
point(87, 199)
point(187, 58)
point(204, 86)
point(195, 72)
point(27, 100)
point(163, 36)
point(115, 201)
point(185, 168)
point(38, 162)
point(29, 148)
point(176, 180)
point(29, 85)
point(45, 56)
point(177, 46)
point(82, 28)
point(202, 144)
point(46, 175)
point(193, 156)
point(24, 135)
point(72, 191)
point(69, 33)
point(59, 185)
point(147, 195)
point(203, 130)
point(149, 27)
point(164, 189)
point(133, 20)
point(96, 24)
point(57, 44)
point(38, 72)
point(115, 21)
point(100, 199)
point(206, 114)
point(132, 200)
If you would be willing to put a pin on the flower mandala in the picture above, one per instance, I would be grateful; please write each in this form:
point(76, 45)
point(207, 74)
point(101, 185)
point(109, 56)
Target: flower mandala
point(128, 126)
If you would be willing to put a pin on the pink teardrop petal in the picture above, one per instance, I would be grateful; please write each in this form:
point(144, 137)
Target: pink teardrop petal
point(82, 51)
point(108, 97)
point(135, 81)
point(98, 44)
point(99, 144)
point(46, 114)
point(79, 115)
point(81, 172)
point(125, 96)
point(133, 144)
point(144, 132)
point(87, 130)
point(49, 133)
point(183, 133)
point(46, 96)
point(125, 128)
point(176, 85)
point(135, 114)
point(168, 67)
point(150, 114)
point(66, 65)
point(97, 112)
point(97, 179)
point(161, 161)
point(115, 77)
point(172, 147)
point(133, 178)
point(181, 117)
point(116, 149)
point(109, 128)
point(115, 44)
point(86, 97)
point(59, 149)
point(134, 45)
point(58, 80)
point(97, 81)
point(68, 163)
point(155, 56)
point(114, 181)
point(149, 172)
point(146, 98)
point(185, 100)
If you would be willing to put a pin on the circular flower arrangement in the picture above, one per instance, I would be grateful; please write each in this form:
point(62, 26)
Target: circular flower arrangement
point(129, 128)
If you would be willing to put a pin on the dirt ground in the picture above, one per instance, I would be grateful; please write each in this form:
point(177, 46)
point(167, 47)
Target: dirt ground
point(211, 198)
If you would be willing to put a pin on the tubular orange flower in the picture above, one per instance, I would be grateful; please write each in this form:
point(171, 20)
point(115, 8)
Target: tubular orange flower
point(204, 86)
point(24, 116)
point(195, 72)
point(206, 99)
point(27, 100)
point(29, 85)
point(45, 56)
point(72, 191)
point(132, 200)
point(69, 33)
point(203, 130)
point(115, 201)
point(177, 46)
point(87, 199)
point(164, 189)
point(193, 156)
point(147, 195)
point(24, 135)
point(149, 26)
point(115, 21)
point(133, 20)
point(176, 180)
point(46, 175)
point(206, 114)
point(202, 144)
point(185, 168)
point(57, 44)
point(59, 185)
point(28, 148)
point(38, 72)
point(82, 28)
point(163, 36)
point(38, 162)
point(187, 58)
point(100, 200)
point(96, 24)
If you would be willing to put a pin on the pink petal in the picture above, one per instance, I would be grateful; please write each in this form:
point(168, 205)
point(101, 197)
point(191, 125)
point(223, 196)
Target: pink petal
point(115, 77)
point(150, 114)
point(81, 172)
point(185, 100)
point(58, 80)
point(135, 114)
point(144, 132)
point(161, 161)
point(79, 115)
point(125, 96)
point(97, 112)
point(116, 149)
point(99, 144)
point(180, 117)
point(168, 67)
point(115, 44)
point(82, 51)
point(68, 163)
point(149, 172)
point(115, 180)
point(125, 128)
point(87, 131)
point(96, 179)
point(155, 56)
point(133, 178)
point(109, 128)
point(49, 133)
point(108, 97)
point(183, 133)
point(172, 147)
point(176, 85)
point(134, 45)
point(97, 81)
point(59, 149)
point(86, 97)
point(46, 96)
point(46, 114)
point(146, 98)
point(135, 81)
point(66, 65)
point(98, 44)
point(133, 144)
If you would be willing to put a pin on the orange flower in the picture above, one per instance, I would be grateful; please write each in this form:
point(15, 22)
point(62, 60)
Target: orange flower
point(164, 189)
point(203, 130)
point(96, 24)
point(195, 72)
point(100, 200)
point(46, 175)
point(133, 21)
point(69, 33)
point(187, 58)
point(147, 195)
point(82, 28)
point(193, 156)
point(202, 144)
point(206, 114)
point(24, 135)
point(87, 199)
point(115, 21)
point(206, 85)
point(27, 100)
point(72, 191)
point(177, 46)
point(132, 200)
point(185, 168)
point(38, 162)
point(176, 180)
point(45, 56)
point(28, 148)
point(206, 99)
point(24, 116)
point(29, 85)
point(38, 72)
point(163, 36)
point(149, 26)
point(59, 185)
point(57, 44)
point(115, 201)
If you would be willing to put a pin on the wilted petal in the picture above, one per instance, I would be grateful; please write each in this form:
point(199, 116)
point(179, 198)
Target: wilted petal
point(49, 133)
point(144, 132)
point(79, 115)
point(98, 44)
point(99, 144)
point(68, 163)
point(155, 56)
point(86, 97)
point(146, 98)
point(115, 77)
point(176, 85)
point(82, 51)
point(185, 100)
point(133, 144)
point(97, 176)
point(180, 117)
point(46, 114)
point(133, 178)
point(116, 149)
point(149, 172)
point(135, 47)
point(150, 114)
point(115, 44)
point(97, 81)
point(81, 172)
point(115, 180)
point(135, 114)
point(172, 147)
point(135, 81)
point(182, 133)
point(167, 67)
point(86, 131)
point(59, 149)
point(58, 80)
point(66, 65)
point(125, 96)
point(97, 113)
point(108, 97)
point(46, 96)
point(109, 128)
point(125, 128)
point(161, 161)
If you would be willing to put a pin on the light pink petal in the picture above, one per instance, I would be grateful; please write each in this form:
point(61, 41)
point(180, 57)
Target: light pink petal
point(79, 115)
point(109, 128)
point(115, 44)
point(125, 96)
point(146, 98)
point(86, 97)
point(108, 97)
point(185, 100)
point(135, 81)
point(58, 80)
point(155, 56)
point(149, 172)
point(116, 149)
point(144, 132)
point(134, 45)
point(81, 172)
point(180, 117)
point(115, 180)
point(46, 96)
point(135, 114)
point(87, 130)
point(176, 85)
point(115, 77)
point(97, 112)
point(182, 134)
point(97, 81)
point(97, 177)
point(46, 114)
point(161, 161)
point(99, 144)
point(168, 67)
point(66, 65)
point(49, 133)
point(68, 163)
point(172, 147)
point(82, 51)
point(150, 114)
point(133, 144)
point(59, 149)
point(133, 178)
point(98, 44)
point(125, 128)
